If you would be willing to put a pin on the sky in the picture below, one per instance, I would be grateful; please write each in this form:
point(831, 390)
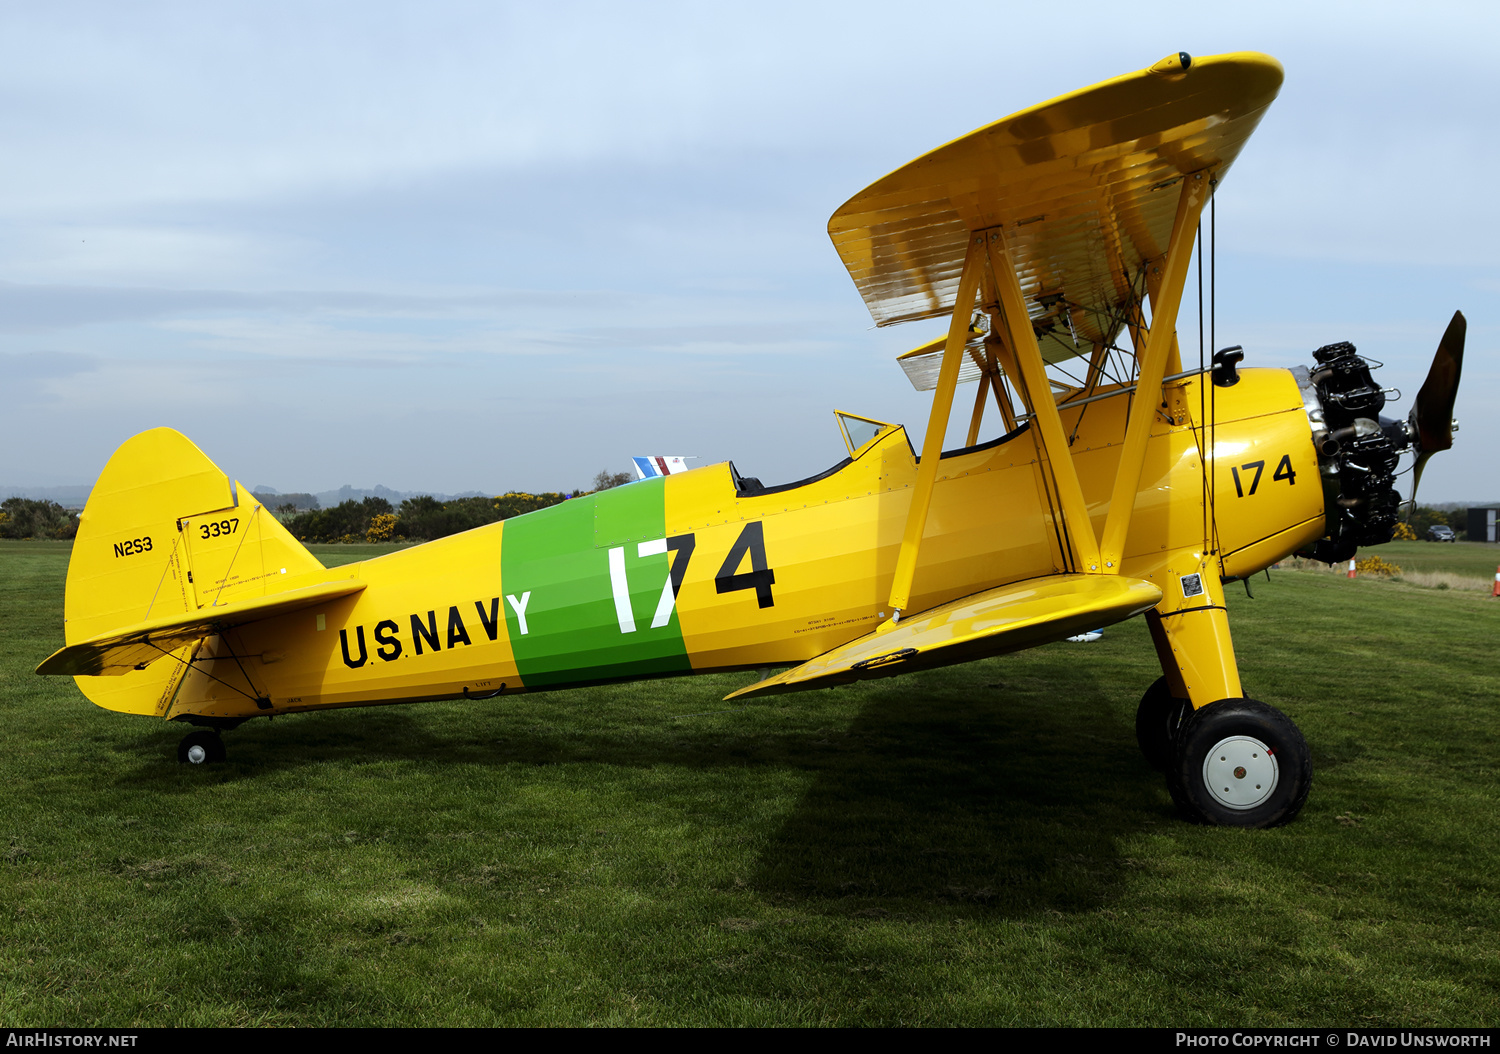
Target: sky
point(453, 247)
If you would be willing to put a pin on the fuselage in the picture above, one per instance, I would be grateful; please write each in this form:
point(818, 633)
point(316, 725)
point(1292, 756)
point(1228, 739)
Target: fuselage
point(705, 571)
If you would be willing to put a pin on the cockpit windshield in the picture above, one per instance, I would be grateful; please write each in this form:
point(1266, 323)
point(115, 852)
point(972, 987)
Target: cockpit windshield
point(859, 432)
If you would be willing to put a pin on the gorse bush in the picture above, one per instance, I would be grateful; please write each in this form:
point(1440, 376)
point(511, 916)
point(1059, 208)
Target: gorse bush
point(349, 521)
point(382, 527)
point(1375, 565)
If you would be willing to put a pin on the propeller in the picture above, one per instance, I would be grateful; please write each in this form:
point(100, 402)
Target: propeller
point(1432, 415)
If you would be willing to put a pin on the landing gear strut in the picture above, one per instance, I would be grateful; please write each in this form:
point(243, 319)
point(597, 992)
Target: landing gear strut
point(203, 747)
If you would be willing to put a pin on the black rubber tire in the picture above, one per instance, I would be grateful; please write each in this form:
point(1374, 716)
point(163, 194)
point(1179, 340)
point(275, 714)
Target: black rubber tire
point(212, 752)
point(1158, 720)
point(1245, 725)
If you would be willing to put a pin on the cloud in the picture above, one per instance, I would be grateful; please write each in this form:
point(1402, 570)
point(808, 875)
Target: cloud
point(40, 379)
point(567, 229)
point(41, 365)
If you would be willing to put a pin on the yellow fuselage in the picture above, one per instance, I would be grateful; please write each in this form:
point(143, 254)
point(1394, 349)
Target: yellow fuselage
point(583, 592)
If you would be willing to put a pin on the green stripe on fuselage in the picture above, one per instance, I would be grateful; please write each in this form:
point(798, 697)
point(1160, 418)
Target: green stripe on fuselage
point(556, 563)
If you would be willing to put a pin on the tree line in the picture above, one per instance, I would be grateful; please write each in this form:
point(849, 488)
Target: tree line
point(424, 518)
point(1423, 517)
point(373, 520)
point(418, 519)
point(31, 518)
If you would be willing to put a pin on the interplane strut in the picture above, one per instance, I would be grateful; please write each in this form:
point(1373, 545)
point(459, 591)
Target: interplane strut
point(989, 268)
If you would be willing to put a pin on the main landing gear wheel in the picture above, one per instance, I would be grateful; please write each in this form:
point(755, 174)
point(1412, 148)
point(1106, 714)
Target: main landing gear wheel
point(1240, 763)
point(202, 747)
point(1158, 720)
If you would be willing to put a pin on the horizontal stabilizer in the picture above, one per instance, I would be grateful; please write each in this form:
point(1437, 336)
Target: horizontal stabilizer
point(1007, 618)
point(135, 647)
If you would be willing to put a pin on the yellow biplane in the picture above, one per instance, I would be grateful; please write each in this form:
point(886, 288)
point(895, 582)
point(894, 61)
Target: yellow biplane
point(1057, 238)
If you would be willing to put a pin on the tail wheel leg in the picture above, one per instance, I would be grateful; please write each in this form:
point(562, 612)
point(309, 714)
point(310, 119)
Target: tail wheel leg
point(203, 747)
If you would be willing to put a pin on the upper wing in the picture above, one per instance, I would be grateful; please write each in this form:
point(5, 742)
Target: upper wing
point(1007, 618)
point(1083, 182)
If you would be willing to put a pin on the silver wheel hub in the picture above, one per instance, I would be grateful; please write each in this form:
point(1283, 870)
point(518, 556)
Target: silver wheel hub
point(197, 754)
point(1240, 772)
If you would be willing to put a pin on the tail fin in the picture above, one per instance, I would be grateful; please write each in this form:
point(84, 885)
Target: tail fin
point(166, 532)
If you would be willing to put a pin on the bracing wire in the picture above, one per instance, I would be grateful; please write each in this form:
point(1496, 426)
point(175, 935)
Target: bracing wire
point(1057, 367)
point(190, 664)
point(1203, 453)
point(1213, 418)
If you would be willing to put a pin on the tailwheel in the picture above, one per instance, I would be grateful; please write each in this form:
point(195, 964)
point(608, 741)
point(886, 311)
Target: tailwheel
point(1240, 763)
point(1158, 720)
point(203, 747)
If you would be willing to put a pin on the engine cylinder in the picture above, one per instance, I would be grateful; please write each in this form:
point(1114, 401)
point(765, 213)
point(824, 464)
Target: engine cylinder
point(1357, 452)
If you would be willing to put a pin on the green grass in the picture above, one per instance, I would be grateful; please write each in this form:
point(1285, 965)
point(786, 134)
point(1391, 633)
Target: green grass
point(979, 845)
point(1474, 559)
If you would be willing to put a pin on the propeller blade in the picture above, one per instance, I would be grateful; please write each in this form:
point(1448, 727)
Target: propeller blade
point(1416, 481)
point(1432, 414)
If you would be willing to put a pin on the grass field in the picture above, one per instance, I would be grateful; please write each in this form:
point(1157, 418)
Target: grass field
point(1473, 559)
point(979, 845)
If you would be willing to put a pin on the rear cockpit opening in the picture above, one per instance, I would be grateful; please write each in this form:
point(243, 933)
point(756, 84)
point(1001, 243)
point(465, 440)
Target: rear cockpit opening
point(860, 435)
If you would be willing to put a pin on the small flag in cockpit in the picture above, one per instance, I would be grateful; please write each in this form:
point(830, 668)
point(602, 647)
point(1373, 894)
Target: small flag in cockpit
point(646, 467)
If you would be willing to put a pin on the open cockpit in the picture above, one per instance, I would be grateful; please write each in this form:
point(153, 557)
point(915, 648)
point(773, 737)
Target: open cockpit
point(861, 436)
